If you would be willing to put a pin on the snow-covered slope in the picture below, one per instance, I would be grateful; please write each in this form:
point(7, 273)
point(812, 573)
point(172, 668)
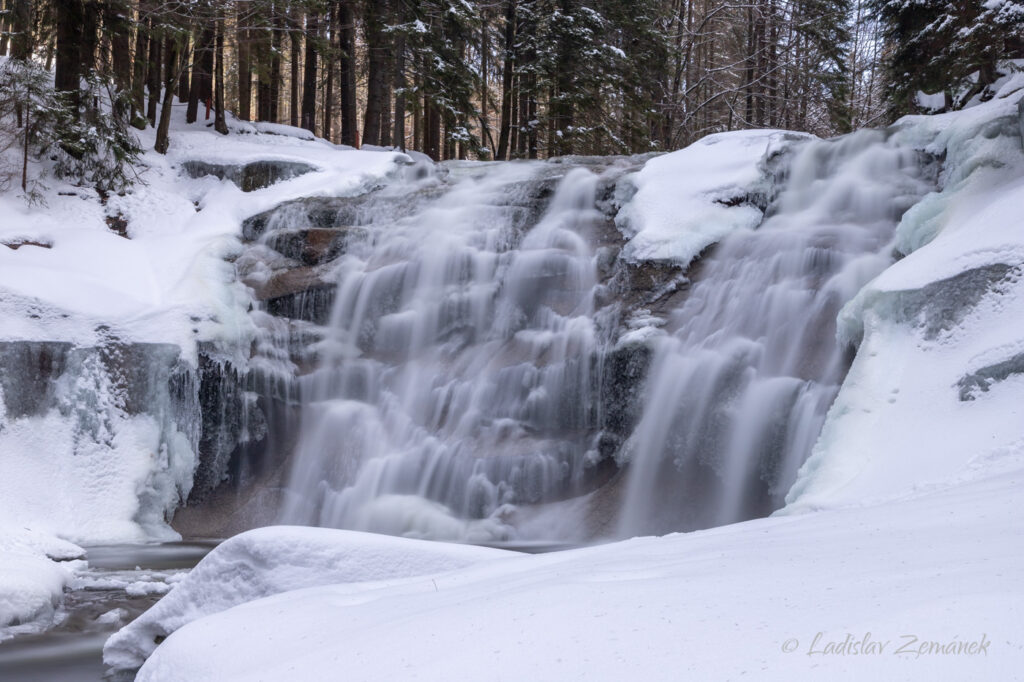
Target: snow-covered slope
point(759, 600)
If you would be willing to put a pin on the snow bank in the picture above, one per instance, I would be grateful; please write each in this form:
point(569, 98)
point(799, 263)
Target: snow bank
point(34, 568)
point(936, 392)
point(687, 200)
point(270, 560)
point(733, 602)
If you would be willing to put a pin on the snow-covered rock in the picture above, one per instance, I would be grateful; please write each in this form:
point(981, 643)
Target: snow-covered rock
point(267, 561)
point(688, 200)
point(34, 568)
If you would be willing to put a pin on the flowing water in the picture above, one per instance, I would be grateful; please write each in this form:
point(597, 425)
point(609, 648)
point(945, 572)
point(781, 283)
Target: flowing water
point(466, 385)
point(120, 583)
point(741, 385)
point(457, 378)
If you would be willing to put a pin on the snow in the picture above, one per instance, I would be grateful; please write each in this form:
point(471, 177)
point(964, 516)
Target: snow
point(34, 568)
point(718, 604)
point(905, 418)
point(76, 281)
point(171, 273)
point(680, 206)
point(268, 561)
point(928, 102)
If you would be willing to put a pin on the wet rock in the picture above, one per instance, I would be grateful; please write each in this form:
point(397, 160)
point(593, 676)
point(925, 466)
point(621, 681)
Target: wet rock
point(1020, 120)
point(16, 244)
point(302, 293)
point(313, 304)
point(314, 246)
point(623, 375)
point(251, 176)
point(304, 213)
point(290, 282)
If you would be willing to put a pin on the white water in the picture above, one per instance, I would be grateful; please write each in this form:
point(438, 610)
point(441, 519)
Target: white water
point(741, 386)
point(458, 391)
point(455, 379)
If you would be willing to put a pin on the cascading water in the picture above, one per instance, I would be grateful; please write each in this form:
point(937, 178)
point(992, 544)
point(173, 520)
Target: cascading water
point(741, 383)
point(455, 378)
point(469, 381)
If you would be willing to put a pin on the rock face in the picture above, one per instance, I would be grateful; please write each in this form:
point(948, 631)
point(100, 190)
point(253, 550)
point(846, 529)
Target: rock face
point(139, 373)
point(251, 176)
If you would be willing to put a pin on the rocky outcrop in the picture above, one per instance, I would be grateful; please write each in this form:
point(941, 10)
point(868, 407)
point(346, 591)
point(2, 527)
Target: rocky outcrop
point(251, 176)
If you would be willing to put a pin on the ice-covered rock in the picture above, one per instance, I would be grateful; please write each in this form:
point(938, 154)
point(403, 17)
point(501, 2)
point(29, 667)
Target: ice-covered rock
point(936, 388)
point(96, 443)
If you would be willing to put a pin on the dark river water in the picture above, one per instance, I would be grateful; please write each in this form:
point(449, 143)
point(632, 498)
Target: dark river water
point(120, 583)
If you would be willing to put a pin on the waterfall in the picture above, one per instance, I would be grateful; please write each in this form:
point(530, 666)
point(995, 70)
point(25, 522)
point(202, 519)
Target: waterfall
point(455, 379)
point(467, 378)
point(741, 383)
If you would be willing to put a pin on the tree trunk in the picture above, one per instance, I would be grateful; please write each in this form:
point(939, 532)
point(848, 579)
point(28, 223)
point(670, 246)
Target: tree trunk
point(375, 49)
point(219, 122)
point(275, 65)
point(295, 42)
point(399, 131)
point(309, 75)
point(263, 73)
point(385, 112)
point(21, 27)
point(202, 56)
point(68, 75)
point(153, 73)
point(485, 124)
point(506, 80)
point(243, 36)
point(4, 27)
point(432, 132)
point(119, 25)
point(184, 83)
point(328, 117)
point(347, 67)
point(139, 70)
point(163, 141)
point(89, 31)
point(25, 144)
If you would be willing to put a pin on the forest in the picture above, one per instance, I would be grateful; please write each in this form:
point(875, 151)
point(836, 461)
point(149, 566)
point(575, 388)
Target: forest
point(507, 79)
